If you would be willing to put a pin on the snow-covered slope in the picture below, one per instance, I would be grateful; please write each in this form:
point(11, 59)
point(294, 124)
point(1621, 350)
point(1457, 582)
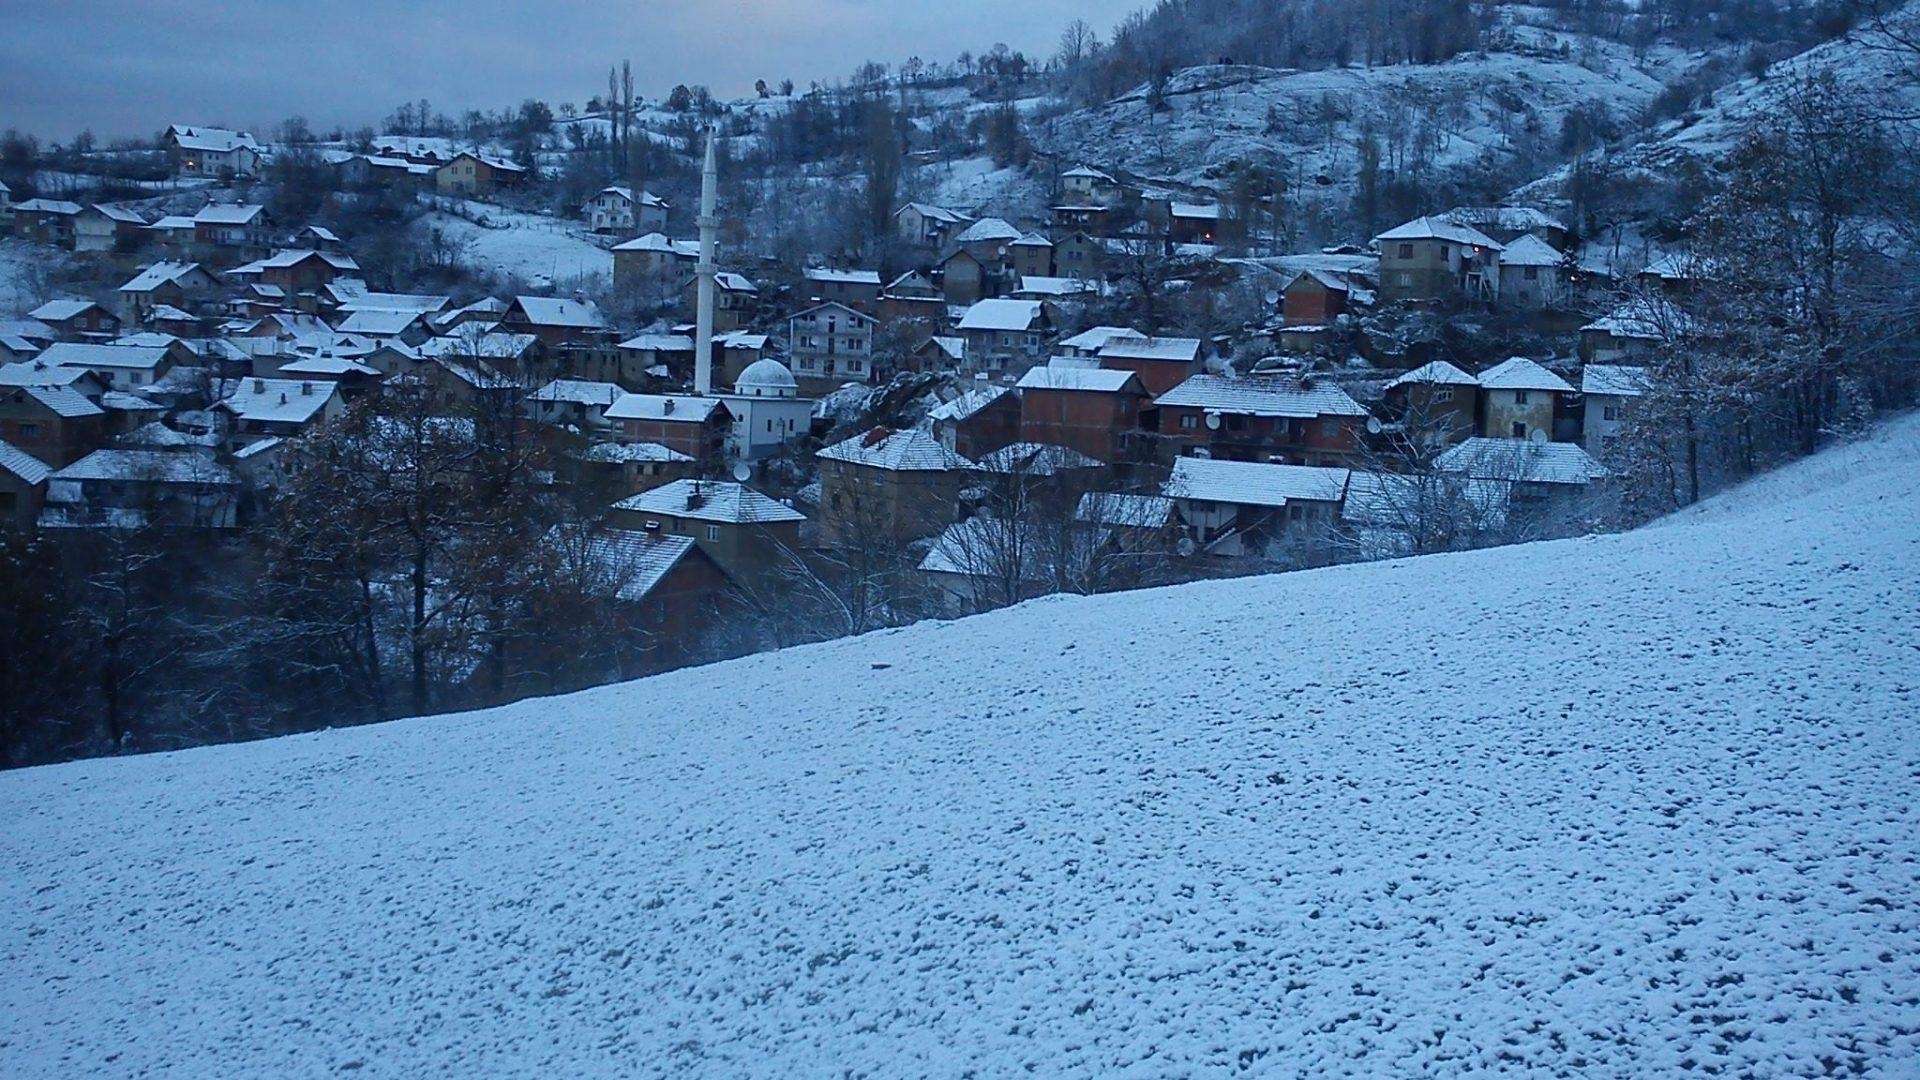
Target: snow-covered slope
point(1623, 807)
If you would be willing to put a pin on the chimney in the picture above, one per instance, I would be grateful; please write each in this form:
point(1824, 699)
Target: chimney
point(667, 409)
point(259, 386)
point(306, 389)
point(283, 397)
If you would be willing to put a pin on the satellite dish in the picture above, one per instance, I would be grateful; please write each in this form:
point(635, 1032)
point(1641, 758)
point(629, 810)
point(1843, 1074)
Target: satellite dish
point(1186, 546)
point(1537, 437)
point(742, 471)
point(1213, 421)
point(1373, 425)
point(1272, 298)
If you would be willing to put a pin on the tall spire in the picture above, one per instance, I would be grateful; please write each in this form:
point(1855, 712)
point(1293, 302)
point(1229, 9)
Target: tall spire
point(709, 236)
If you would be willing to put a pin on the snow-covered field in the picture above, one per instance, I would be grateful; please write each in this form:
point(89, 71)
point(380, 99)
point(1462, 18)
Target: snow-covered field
point(540, 250)
point(1637, 806)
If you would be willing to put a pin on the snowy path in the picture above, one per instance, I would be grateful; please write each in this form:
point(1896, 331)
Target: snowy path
point(1625, 807)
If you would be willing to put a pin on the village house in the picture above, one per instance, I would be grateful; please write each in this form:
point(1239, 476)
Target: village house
point(172, 284)
point(734, 300)
point(56, 424)
point(742, 530)
point(103, 228)
point(23, 484)
point(1519, 399)
point(893, 484)
point(1434, 405)
point(977, 422)
point(385, 327)
point(1193, 223)
point(269, 408)
point(653, 257)
point(1607, 393)
point(644, 359)
point(612, 471)
point(1086, 185)
point(245, 232)
point(362, 171)
point(297, 271)
point(1264, 418)
point(987, 240)
point(964, 279)
point(1090, 410)
point(1030, 256)
point(830, 344)
point(924, 225)
point(1235, 508)
point(1088, 343)
point(1005, 337)
point(1318, 297)
point(768, 411)
point(1634, 330)
point(1133, 523)
point(477, 174)
point(695, 426)
point(173, 234)
point(47, 221)
point(212, 152)
point(1430, 259)
point(127, 488)
point(1550, 481)
point(575, 403)
point(669, 589)
point(1078, 255)
point(76, 320)
point(121, 367)
point(1507, 224)
point(1531, 274)
point(617, 209)
point(857, 289)
point(940, 353)
point(1161, 363)
point(554, 320)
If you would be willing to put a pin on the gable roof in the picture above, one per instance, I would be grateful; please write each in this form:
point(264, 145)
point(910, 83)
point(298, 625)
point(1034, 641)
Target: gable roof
point(561, 312)
point(902, 450)
point(1036, 459)
point(633, 562)
point(48, 206)
point(1089, 379)
point(1124, 509)
point(38, 373)
point(1435, 373)
point(162, 466)
point(1432, 228)
point(378, 323)
point(986, 230)
point(1614, 380)
point(661, 242)
point(937, 213)
point(842, 277)
point(1522, 219)
point(1262, 395)
point(968, 403)
point(1520, 373)
point(54, 311)
point(579, 392)
point(89, 355)
point(210, 139)
point(228, 214)
point(289, 401)
point(62, 400)
point(1253, 483)
point(1521, 461)
point(161, 273)
point(711, 500)
point(1169, 349)
point(1098, 337)
point(1530, 250)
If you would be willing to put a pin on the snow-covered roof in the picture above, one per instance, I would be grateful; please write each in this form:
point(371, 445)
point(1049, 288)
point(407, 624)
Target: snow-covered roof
point(630, 562)
point(353, 299)
point(328, 366)
point(1399, 500)
point(55, 311)
point(1520, 373)
point(210, 139)
point(377, 323)
point(121, 401)
point(561, 312)
point(727, 281)
point(1253, 483)
point(119, 214)
point(1097, 338)
point(767, 373)
point(828, 275)
point(22, 465)
point(88, 355)
point(1087, 172)
point(1521, 461)
point(228, 214)
point(1643, 319)
point(159, 274)
point(281, 401)
point(492, 345)
point(671, 408)
point(1432, 228)
point(661, 242)
point(937, 213)
point(986, 230)
point(281, 260)
point(161, 466)
point(955, 348)
point(1125, 509)
point(1178, 350)
point(1613, 380)
point(640, 452)
point(37, 372)
point(1195, 211)
point(48, 206)
point(1033, 239)
point(1055, 286)
point(968, 403)
point(1036, 459)
point(711, 500)
point(579, 392)
point(173, 223)
point(978, 547)
point(658, 343)
point(1435, 373)
point(896, 450)
point(740, 339)
point(1262, 395)
point(1530, 250)
point(1002, 315)
point(647, 198)
point(65, 401)
point(1092, 380)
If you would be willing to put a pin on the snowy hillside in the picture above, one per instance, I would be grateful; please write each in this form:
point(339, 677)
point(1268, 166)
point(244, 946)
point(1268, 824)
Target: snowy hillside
point(1634, 806)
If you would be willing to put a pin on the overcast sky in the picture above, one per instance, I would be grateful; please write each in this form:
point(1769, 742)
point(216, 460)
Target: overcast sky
point(130, 67)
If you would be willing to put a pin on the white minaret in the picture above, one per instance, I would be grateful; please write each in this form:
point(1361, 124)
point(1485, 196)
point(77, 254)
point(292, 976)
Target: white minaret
point(709, 235)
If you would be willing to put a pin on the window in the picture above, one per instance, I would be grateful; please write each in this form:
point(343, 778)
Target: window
point(1443, 395)
point(1406, 251)
point(713, 532)
point(1519, 397)
point(134, 378)
point(1611, 412)
point(1330, 429)
point(28, 431)
point(1531, 273)
point(1295, 512)
point(1519, 430)
point(1403, 278)
point(1189, 422)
